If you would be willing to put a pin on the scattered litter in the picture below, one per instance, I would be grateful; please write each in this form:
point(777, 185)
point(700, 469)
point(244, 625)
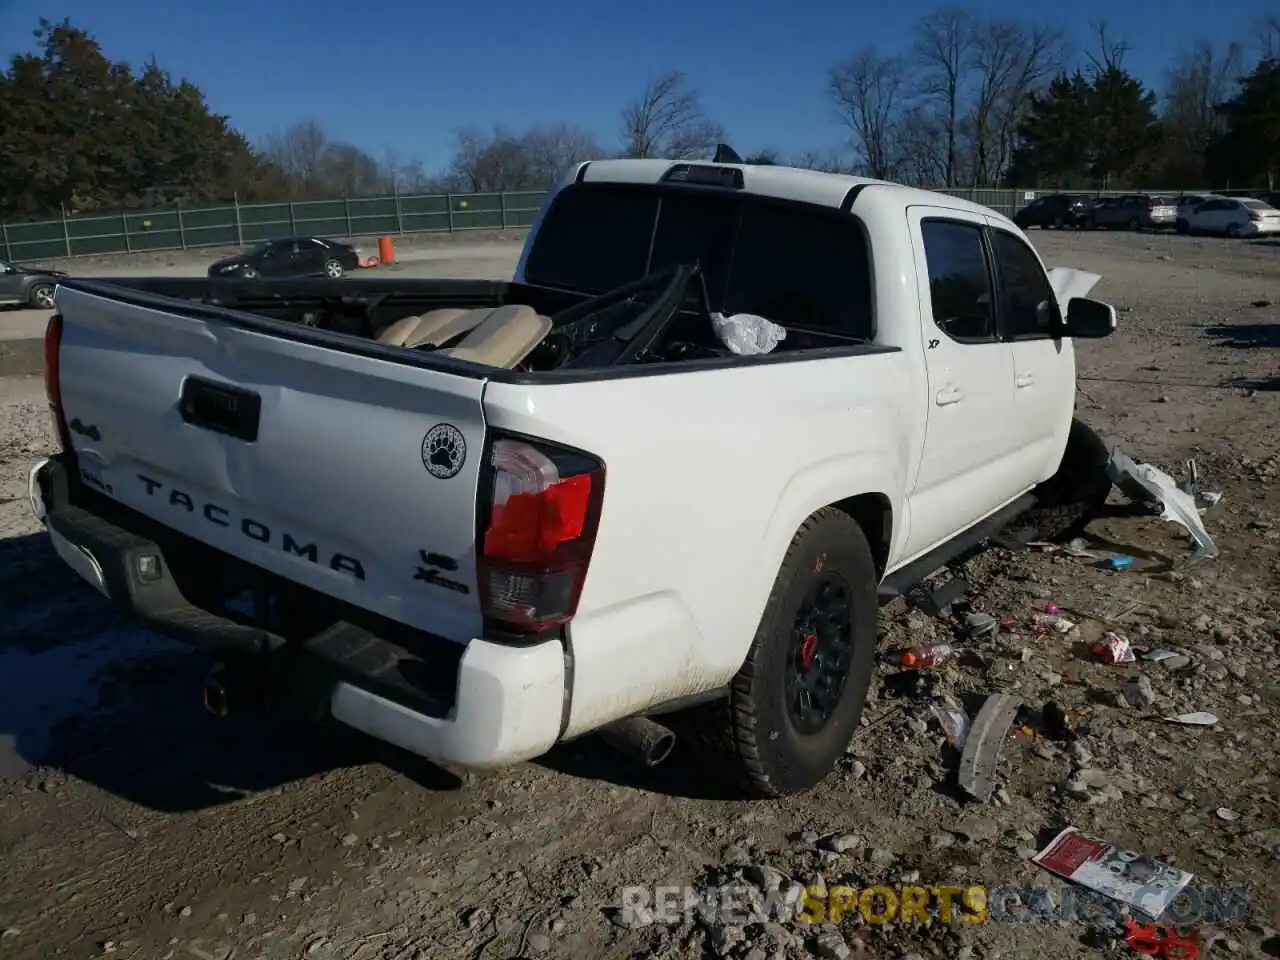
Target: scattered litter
point(980, 624)
point(747, 334)
point(910, 685)
point(1153, 941)
point(1052, 623)
point(982, 746)
point(1138, 692)
point(1198, 719)
point(1079, 547)
point(1051, 608)
point(925, 656)
point(1144, 883)
point(1158, 654)
point(954, 723)
point(1113, 649)
point(1117, 563)
point(1157, 490)
point(1228, 815)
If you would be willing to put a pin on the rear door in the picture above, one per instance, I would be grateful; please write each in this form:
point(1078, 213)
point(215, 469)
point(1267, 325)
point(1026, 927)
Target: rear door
point(312, 255)
point(969, 465)
point(277, 259)
point(336, 471)
point(1043, 367)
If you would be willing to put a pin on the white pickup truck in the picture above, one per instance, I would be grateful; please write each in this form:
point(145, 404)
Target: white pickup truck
point(476, 519)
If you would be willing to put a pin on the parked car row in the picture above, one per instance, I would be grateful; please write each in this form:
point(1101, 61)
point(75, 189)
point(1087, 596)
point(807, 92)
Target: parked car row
point(1209, 213)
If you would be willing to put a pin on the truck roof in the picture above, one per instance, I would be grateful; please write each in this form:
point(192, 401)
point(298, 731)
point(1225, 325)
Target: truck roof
point(786, 183)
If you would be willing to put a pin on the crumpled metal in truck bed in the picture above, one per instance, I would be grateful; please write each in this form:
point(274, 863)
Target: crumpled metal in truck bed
point(1154, 488)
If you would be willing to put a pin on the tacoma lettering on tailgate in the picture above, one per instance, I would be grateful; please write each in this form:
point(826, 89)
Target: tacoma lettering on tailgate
point(253, 529)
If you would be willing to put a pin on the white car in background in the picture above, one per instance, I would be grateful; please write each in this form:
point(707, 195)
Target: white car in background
point(1230, 216)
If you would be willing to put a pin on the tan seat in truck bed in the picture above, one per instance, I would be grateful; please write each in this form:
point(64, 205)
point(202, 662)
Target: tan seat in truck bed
point(495, 336)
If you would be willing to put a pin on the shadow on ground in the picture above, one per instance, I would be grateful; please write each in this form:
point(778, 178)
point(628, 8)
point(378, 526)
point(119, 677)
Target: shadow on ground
point(1260, 384)
point(85, 691)
point(1246, 335)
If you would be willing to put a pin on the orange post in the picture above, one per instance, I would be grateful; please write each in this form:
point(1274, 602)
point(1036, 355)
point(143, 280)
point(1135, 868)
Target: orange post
point(386, 250)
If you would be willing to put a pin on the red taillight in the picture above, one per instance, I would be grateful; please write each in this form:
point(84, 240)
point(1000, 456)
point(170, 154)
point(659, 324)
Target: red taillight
point(53, 380)
point(542, 518)
point(1150, 204)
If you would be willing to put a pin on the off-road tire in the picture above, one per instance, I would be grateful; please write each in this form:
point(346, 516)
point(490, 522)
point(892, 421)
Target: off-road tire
point(1073, 496)
point(748, 739)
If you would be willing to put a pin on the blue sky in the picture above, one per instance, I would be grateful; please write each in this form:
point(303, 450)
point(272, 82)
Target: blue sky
point(405, 75)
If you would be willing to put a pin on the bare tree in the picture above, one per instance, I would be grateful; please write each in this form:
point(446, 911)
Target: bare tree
point(555, 150)
point(943, 45)
point(828, 161)
point(1268, 36)
point(347, 171)
point(867, 91)
point(491, 164)
point(1110, 53)
point(667, 121)
point(1012, 61)
point(1199, 80)
point(298, 151)
point(920, 146)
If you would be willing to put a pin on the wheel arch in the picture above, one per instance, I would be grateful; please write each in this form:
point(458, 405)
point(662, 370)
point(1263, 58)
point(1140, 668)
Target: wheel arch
point(873, 512)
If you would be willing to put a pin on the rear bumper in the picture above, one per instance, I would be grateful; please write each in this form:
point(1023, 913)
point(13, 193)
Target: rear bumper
point(483, 705)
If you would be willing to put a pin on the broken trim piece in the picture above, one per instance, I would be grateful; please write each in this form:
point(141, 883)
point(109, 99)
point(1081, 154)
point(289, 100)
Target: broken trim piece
point(1145, 484)
point(982, 747)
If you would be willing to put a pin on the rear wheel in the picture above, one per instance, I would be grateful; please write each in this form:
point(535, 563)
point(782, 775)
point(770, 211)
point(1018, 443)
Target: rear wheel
point(1058, 223)
point(41, 296)
point(1182, 226)
point(1134, 223)
point(333, 269)
point(249, 273)
point(1073, 496)
point(795, 704)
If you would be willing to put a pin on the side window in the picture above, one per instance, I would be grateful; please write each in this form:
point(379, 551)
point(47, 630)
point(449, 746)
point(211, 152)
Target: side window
point(809, 270)
point(1030, 305)
point(959, 281)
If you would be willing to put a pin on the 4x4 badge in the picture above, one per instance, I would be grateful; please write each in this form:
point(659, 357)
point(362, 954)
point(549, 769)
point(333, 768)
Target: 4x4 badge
point(444, 451)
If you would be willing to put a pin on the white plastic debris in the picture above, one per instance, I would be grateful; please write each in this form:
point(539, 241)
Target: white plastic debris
point(1069, 283)
point(747, 334)
point(1198, 719)
point(1147, 484)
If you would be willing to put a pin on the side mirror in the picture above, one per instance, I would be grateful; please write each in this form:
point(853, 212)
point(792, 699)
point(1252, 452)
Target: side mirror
point(1089, 319)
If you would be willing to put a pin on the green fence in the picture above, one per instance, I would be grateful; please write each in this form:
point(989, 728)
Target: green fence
point(239, 224)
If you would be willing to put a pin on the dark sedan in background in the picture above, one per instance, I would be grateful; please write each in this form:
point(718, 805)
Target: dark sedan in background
point(290, 257)
point(1055, 210)
point(28, 286)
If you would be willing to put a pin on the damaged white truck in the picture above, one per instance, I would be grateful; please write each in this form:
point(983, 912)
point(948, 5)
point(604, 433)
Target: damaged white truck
point(477, 519)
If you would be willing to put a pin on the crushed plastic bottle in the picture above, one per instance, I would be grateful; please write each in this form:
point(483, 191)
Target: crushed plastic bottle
point(927, 655)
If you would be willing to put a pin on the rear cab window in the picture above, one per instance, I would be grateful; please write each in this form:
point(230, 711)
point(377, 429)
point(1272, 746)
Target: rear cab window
point(802, 266)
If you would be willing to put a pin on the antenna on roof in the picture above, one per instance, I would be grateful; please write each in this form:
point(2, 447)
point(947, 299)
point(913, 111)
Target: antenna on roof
point(725, 154)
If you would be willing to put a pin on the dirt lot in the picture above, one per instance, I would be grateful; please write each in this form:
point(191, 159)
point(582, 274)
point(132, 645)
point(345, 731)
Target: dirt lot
point(133, 824)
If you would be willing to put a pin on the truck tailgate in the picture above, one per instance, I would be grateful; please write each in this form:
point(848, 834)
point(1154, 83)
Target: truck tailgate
point(351, 475)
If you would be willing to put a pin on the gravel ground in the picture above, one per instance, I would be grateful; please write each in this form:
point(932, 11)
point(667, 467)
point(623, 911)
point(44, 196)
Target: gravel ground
point(133, 824)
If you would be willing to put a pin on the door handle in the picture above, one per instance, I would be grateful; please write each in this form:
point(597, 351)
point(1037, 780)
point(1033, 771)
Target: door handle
point(949, 395)
point(1026, 379)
